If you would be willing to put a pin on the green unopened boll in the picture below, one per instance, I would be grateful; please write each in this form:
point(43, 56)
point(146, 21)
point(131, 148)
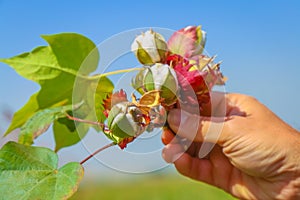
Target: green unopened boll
point(158, 77)
point(125, 120)
point(149, 48)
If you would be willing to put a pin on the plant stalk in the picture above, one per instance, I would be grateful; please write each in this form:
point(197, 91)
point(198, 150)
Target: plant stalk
point(97, 151)
point(113, 73)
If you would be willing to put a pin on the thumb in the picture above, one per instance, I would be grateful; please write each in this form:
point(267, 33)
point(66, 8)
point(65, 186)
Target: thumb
point(197, 128)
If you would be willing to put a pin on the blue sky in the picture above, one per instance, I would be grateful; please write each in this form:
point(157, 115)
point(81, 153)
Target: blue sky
point(258, 41)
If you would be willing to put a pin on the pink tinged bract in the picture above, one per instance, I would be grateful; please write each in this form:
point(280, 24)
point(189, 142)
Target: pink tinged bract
point(188, 42)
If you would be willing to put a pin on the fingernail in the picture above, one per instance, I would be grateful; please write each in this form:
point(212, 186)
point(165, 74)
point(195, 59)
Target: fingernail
point(166, 155)
point(170, 155)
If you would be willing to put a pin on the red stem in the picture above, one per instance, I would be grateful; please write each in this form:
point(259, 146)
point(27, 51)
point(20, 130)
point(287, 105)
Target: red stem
point(85, 121)
point(97, 151)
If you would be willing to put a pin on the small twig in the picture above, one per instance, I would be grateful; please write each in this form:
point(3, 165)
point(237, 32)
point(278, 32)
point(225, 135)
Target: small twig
point(96, 77)
point(99, 150)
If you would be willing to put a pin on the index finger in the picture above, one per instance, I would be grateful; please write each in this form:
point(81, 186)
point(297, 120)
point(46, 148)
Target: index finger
point(200, 129)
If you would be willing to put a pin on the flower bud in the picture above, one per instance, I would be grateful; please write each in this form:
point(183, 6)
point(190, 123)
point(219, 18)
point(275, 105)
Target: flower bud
point(158, 77)
point(149, 48)
point(188, 42)
point(124, 120)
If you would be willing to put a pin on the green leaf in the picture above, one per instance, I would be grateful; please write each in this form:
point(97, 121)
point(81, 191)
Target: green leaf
point(102, 90)
point(73, 51)
point(40, 122)
point(64, 136)
point(68, 53)
point(93, 93)
point(23, 114)
point(38, 65)
point(60, 94)
point(66, 62)
point(31, 173)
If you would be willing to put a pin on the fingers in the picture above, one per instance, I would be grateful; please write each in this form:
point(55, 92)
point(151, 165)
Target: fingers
point(167, 136)
point(198, 128)
point(172, 152)
point(216, 106)
point(216, 170)
point(225, 104)
point(199, 169)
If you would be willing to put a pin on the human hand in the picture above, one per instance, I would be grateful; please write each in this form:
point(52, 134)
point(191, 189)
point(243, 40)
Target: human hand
point(256, 156)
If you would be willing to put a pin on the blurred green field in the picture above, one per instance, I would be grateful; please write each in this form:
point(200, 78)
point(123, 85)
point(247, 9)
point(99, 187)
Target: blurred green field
point(153, 187)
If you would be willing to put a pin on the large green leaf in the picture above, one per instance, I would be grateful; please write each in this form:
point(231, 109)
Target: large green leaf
point(68, 60)
point(67, 53)
point(37, 65)
point(73, 51)
point(24, 113)
point(31, 173)
point(53, 93)
point(67, 134)
point(93, 92)
point(40, 122)
point(100, 92)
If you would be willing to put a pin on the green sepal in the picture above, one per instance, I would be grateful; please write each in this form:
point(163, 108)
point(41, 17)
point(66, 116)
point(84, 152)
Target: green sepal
point(169, 89)
point(148, 80)
point(143, 56)
point(121, 127)
point(161, 46)
point(118, 123)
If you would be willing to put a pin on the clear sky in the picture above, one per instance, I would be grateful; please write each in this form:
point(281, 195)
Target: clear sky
point(258, 41)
